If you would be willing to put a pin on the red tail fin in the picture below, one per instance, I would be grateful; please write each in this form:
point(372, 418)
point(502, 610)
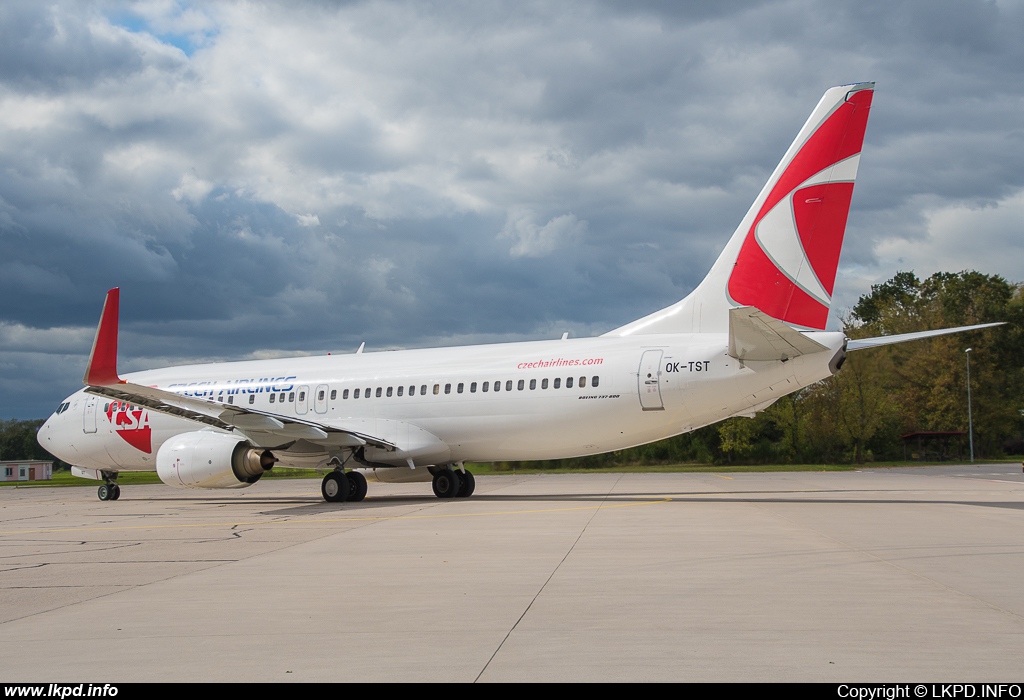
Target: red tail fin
point(783, 257)
point(787, 264)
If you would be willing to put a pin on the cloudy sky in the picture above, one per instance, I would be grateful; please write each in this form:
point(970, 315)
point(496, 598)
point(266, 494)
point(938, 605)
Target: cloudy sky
point(265, 180)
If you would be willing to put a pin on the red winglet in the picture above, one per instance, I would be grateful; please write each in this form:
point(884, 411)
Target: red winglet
point(102, 369)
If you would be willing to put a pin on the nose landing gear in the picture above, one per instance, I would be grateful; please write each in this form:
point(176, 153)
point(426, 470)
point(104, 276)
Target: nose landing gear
point(109, 490)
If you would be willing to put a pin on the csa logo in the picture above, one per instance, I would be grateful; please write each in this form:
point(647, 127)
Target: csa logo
point(132, 424)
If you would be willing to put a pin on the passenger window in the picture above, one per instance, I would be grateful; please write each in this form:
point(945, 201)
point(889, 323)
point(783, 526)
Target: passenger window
point(484, 387)
point(461, 385)
point(508, 385)
point(558, 383)
point(302, 397)
point(344, 394)
point(366, 394)
point(544, 383)
point(423, 390)
point(568, 382)
point(583, 382)
point(400, 389)
point(272, 397)
point(437, 389)
point(320, 395)
point(390, 391)
point(291, 397)
point(252, 398)
point(106, 407)
point(497, 386)
point(355, 394)
point(447, 388)
point(231, 400)
point(594, 381)
point(334, 394)
point(378, 392)
point(521, 385)
point(412, 390)
point(533, 384)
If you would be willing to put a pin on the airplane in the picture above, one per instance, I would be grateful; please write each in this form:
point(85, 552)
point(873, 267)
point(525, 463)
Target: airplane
point(751, 332)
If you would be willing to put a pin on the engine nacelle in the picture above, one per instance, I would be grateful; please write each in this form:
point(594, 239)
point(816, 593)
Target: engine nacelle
point(208, 460)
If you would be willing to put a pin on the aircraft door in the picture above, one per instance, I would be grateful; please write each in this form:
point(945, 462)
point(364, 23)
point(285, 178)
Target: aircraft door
point(649, 381)
point(89, 417)
point(302, 400)
point(320, 399)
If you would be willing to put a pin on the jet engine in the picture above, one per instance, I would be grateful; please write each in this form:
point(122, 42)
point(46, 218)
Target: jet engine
point(208, 460)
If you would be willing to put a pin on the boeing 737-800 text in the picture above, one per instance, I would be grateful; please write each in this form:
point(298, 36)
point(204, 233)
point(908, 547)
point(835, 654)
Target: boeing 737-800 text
point(751, 332)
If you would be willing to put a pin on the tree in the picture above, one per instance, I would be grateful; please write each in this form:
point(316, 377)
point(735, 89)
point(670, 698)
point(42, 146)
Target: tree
point(927, 381)
point(18, 440)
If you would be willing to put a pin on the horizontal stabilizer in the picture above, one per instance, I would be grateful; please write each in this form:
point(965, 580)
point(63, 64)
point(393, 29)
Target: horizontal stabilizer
point(861, 343)
point(754, 335)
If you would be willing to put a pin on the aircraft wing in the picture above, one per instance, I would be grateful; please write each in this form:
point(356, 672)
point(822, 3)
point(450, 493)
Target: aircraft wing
point(861, 343)
point(265, 429)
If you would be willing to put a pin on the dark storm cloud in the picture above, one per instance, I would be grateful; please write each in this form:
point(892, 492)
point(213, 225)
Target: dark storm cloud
point(302, 179)
point(52, 48)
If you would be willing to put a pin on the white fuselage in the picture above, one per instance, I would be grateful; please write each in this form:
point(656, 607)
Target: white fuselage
point(441, 406)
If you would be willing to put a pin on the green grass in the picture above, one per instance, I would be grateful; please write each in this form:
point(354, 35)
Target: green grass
point(64, 478)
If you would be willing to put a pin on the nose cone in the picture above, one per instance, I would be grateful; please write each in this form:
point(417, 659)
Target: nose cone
point(53, 436)
point(45, 432)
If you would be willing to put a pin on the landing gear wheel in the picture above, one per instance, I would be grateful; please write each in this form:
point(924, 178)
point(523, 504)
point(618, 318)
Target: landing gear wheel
point(334, 487)
point(446, 484)
point(467, 486)
point(115, 492)
point(356, 486)
point(103, 492)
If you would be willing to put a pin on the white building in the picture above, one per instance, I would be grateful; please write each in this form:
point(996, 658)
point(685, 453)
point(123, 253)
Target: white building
point(26, 470)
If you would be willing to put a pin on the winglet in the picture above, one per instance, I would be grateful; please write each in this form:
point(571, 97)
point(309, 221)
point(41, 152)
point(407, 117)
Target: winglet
point(102, 368)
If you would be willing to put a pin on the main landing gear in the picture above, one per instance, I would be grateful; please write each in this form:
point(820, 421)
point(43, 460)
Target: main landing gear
point(109, 490)
point(449, 483)
point(338, 486)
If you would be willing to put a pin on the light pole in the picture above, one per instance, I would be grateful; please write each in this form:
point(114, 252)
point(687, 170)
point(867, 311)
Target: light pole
point(970, 420)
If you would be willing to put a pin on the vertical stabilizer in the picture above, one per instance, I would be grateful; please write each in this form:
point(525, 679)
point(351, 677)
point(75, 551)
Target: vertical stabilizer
point(783, 257)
